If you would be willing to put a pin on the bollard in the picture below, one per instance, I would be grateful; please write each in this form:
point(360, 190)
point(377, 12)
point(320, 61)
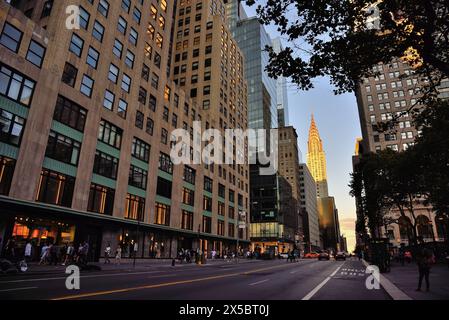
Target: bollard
point(173, 263)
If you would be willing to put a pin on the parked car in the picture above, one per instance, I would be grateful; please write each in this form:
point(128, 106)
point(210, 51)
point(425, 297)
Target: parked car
point(340, 256)
point(324, 256)
point(311, 255)
point(284, 255)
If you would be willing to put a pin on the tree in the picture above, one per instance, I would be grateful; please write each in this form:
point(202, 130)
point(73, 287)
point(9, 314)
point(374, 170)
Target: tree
point(345, 39)
point(433, 147)
point(388, 180)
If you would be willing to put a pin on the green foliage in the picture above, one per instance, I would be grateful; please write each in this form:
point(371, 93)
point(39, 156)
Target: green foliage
point(331, 38)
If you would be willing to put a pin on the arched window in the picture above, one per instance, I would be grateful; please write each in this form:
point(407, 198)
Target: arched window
point(424, 227)
point(441, 221)
point(405, 227)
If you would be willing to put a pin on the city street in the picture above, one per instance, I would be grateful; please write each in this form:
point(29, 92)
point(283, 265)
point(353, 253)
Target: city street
point(247, 280)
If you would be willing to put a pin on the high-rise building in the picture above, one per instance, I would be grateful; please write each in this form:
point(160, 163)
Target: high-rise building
point(390, 93)
point(289, 159)
point(316, 160)
point(209, 65)
point(308, 206)
point(281, 88)
point(86, 118)
point(329, 223)
point(273, 222)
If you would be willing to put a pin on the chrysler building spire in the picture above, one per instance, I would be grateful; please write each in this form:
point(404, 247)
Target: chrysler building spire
point(316, 160)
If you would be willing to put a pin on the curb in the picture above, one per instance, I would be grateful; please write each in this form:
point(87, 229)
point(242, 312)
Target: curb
point(393, 291)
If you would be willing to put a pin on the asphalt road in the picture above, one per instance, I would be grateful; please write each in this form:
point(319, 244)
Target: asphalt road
point(258, 280)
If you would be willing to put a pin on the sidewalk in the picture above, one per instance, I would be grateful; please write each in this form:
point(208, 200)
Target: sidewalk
point(126, 265)
point(406, 279)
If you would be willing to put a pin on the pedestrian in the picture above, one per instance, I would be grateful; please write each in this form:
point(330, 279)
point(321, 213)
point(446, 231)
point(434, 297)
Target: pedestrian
point(53, 254)
point(28, 251)
point(107, 253)
point(424, 259)
point(70, 252)
point(118, 255)
point(11, 249)
point(85, 252)
point(44, 254)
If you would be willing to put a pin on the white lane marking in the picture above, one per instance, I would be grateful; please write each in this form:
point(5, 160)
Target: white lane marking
point(293, 272)
point(18, 289)
point(322, 284)
point(259, 282)
point(90, 276)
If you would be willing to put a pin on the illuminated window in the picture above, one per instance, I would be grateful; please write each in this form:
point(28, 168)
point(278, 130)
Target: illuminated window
point(162, 214)
point(135, 207)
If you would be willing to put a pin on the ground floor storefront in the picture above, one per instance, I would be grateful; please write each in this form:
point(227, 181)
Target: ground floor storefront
point(41, 225)
point(271, 246)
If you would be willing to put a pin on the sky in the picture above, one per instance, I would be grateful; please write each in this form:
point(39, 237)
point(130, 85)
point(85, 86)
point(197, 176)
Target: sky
point(338, 122)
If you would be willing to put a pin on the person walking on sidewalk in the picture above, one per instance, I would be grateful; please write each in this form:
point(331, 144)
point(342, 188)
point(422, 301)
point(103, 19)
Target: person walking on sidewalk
point(44, 254)
point(28, 251)
point(118, 255)
point(424, 259)
point(107, 254)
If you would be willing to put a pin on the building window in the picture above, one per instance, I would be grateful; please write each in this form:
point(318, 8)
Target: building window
point(164, 188)
point(220, 228)
point(207, 224)
point(231, 230)
point(189, 175)
point(105, 165)
point(126, 83)
point(84, 18)
point(11, 37)
point(164, 136)
point(92, 58)
point(139, 119)
point(101, 199)
point(208, 184)
point(63, 148)
point(7, 166)
point(87, 85)
point(141, 150)
point(108, 101)
point(70, 114)
point(162, 214)
point(207, 203)
point(15, 86)
point(76, 45)
point(103, 7)
point(221, 209)
point(165, 163)
point(98, 31)
point(138, 177)
point(153, 103)
point(122, 108)
point(110, 134)
point(113, 73)
point(231, 212)
point(117, 49)
point(187, 220)
point(188, 197)
point(150, 126)
point(135, 208)
point(36, 53)
point(11, 128)
point(69, 74)
point(55, 188)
